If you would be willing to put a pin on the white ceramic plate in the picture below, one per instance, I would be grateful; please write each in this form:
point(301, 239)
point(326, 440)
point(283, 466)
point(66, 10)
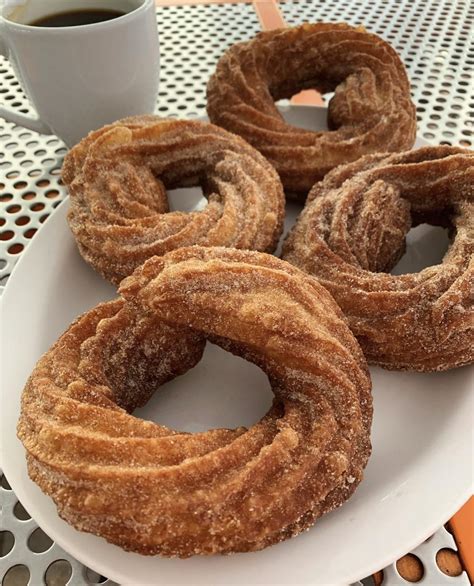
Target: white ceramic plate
point(418, 476)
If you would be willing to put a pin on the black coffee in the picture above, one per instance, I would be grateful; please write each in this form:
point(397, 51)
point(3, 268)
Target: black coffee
point(77, 17)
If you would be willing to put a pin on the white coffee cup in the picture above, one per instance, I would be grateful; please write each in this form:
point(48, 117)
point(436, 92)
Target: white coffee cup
point(81, 77)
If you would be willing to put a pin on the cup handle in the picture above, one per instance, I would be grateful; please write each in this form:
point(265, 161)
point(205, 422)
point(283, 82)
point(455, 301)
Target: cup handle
point(20, 119)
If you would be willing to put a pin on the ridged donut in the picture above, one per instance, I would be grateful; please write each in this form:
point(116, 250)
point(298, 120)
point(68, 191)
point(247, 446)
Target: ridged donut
point(352, 232)
point(370, 111)
point(117, 179)
point(151, 489)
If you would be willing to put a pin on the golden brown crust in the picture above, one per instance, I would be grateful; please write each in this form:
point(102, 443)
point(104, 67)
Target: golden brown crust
point(371, 109)
point(117, 176)
point(353, 227)
point(151, 489)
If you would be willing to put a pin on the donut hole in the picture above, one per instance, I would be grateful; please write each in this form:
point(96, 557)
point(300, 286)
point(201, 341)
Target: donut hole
point(172, 376)
point(298, 116)
point(426, 246)
point(186, 199)
point(221, 391)
point(333, 89)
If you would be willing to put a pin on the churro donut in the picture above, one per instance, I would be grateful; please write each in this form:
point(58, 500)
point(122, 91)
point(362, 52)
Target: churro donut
point(151, 489)
point(352, 231)
point(117, 179)
point(370, 111)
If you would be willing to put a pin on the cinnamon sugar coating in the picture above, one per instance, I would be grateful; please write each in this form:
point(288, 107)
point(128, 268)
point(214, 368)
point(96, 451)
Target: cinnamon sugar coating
point(151, 489)
point(352, 232)
point(117, 179)
point(371, 110)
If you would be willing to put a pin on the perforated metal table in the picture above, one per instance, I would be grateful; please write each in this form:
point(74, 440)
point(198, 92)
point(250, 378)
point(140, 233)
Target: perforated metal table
point(435, 39)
